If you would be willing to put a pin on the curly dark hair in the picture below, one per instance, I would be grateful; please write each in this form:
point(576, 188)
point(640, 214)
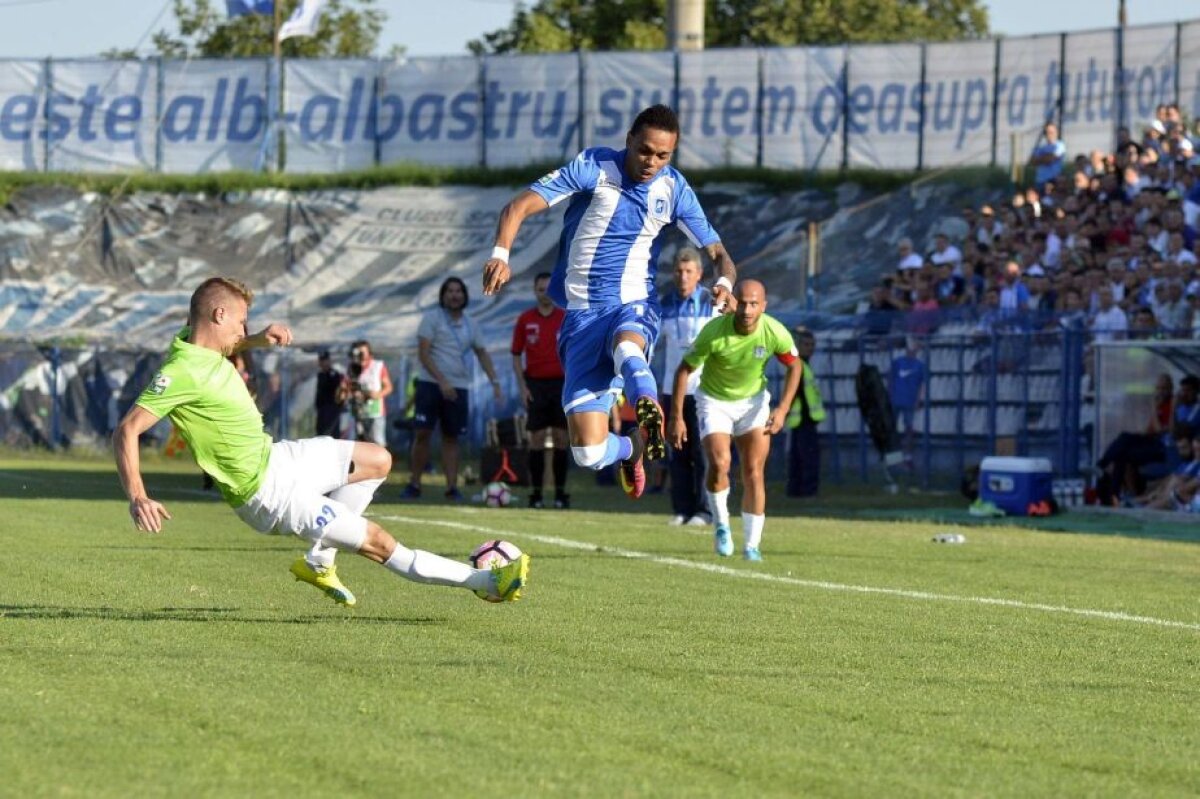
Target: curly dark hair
point(659, 117)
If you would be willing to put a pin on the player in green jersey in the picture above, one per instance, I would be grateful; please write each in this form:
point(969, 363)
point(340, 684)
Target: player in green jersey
point(316, 488)
point(733, 405)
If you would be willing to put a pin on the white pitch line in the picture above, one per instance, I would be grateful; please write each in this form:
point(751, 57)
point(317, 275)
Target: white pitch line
point(745, 574)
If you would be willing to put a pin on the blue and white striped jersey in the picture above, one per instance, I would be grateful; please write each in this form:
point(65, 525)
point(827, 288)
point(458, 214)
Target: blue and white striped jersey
point(608, 254)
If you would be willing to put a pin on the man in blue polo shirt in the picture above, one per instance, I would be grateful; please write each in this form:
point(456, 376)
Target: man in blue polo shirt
point(620, 202)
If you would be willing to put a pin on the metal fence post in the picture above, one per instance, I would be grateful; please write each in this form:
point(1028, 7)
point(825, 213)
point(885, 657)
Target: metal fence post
point(996, 100)
point(1119, 83)
point(862, 423)
point(991, 393)
point(846, 111)
point(483, 112)
point(762, 93)
point(835, 454)
point(55, 398)
point(377, 86)
point(159, 82)
point(49, 81)
point(1178, 56)
point(960, 411)
point(581, 114)
point(922, 114)
point(1062, 82)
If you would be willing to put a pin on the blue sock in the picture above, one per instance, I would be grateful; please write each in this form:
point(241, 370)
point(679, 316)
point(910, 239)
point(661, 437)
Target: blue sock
point(639, 380)
point(617, 448)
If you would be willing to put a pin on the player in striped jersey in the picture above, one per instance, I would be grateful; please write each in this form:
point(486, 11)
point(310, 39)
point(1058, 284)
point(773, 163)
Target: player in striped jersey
point(620, 202)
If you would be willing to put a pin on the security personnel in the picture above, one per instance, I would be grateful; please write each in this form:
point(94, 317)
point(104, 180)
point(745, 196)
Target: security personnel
point(804, 452)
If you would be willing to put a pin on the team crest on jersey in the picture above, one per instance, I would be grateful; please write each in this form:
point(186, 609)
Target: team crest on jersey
point(159, 384)
point(760, 352)
point(660, 205)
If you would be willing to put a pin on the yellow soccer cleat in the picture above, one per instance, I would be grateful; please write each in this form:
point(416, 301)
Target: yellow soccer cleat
point(326, 580)
point(510, 579)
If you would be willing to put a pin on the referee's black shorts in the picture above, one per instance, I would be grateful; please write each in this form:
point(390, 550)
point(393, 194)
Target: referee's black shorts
point(545, 404)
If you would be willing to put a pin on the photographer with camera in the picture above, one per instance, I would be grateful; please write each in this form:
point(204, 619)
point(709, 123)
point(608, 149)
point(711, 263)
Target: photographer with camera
point(367, 385)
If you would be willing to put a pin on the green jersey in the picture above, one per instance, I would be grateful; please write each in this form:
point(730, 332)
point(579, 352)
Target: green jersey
point(735, 364)
point(209, 404)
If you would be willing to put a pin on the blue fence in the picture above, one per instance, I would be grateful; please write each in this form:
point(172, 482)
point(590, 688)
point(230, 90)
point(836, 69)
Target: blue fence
point(1012, 392)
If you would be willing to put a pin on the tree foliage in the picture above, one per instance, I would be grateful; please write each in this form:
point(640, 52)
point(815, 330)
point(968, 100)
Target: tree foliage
point(348, 28)
point(564, 25)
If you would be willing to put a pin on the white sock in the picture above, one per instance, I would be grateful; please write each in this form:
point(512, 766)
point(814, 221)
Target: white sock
point(718, 505)
point(752, 526)
point(426, 567)
point(356, 497)
point(319, 557)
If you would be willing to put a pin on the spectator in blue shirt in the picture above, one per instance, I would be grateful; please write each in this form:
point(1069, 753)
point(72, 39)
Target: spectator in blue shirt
point(906, 386)
point(1048, 157)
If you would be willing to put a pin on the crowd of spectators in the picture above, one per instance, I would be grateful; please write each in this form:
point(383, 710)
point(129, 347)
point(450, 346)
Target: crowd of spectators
point(1105, 242)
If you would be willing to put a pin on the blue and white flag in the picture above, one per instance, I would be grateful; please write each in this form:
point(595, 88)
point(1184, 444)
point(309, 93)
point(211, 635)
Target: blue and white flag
point(240, 8)
point(303, 21)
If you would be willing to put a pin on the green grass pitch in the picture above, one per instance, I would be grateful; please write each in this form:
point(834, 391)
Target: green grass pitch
point(859, 659)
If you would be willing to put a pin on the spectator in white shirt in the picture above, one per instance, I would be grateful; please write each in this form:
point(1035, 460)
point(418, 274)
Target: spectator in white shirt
point(946, 253)
point(1176, 253)
point(1170, 308)
point(908, 258)
point(1109, 323)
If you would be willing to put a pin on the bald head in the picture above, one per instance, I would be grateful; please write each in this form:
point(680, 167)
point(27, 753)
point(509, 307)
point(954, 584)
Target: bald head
point(750, 288)
point(751, 302)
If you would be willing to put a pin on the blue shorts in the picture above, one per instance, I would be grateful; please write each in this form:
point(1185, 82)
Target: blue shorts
point(431, 409)
point(585, 348)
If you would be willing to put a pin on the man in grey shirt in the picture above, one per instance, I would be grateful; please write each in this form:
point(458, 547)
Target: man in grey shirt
point(445, 340)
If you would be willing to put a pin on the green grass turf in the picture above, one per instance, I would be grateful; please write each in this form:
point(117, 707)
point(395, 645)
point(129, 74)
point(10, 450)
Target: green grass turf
point(190, 664)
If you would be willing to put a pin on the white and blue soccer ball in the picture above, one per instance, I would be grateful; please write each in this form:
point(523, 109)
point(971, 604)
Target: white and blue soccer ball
point(496, 495)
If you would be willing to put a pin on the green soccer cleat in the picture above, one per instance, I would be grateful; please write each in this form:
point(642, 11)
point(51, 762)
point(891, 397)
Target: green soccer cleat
point(510, 579)
point(326, 580)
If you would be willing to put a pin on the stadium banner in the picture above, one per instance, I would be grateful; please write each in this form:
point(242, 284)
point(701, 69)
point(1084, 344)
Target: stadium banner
point(430, 112)
point(533, 108)
point(801, 120)
point(883, 106)
point(1149, 73)
point(1027, 93)
point(905, 105)
point(214, 115)
point(1189, 69)
point(718, 108)
point(618, 86)
point(99, 116)
point(23, 89)
point(329, 114)
point(958, 95)
point(1089, 103)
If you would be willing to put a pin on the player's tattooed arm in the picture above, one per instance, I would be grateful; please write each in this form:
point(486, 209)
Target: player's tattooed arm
point(495, 271)
point(273, 335)
point(726, 276)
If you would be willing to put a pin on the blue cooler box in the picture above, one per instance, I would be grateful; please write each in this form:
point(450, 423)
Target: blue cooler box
point(1013, 483)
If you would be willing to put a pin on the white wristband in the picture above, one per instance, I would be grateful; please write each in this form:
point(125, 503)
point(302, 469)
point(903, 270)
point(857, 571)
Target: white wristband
point(723, 281)
point(500, 254)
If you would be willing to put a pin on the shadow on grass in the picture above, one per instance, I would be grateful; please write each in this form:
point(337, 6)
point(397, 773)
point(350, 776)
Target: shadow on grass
point(235, 615)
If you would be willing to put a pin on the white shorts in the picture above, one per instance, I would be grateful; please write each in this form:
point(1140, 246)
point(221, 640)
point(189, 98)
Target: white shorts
point(732, 417)
point(293, 496)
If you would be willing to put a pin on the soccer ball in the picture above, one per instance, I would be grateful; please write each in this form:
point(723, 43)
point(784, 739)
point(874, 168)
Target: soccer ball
point(496, 495)
point(493, 553)
point(497, 552)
